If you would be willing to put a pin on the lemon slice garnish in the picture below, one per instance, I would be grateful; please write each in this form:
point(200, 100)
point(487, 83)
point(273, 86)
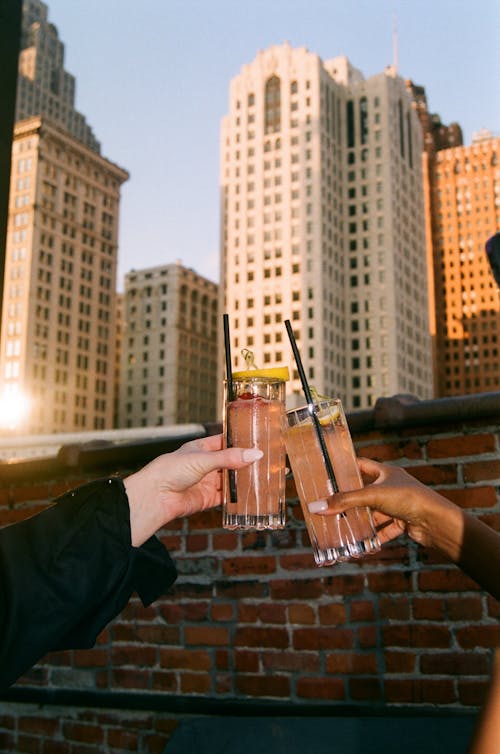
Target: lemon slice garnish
point(332, 416)
point(274, 373)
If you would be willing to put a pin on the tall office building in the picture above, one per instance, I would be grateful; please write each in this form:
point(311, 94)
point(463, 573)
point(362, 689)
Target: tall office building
point(44, 86)
point(58, 323)
point(323, 224)
point(169, 348)
point(57, 341)
point(465, 211)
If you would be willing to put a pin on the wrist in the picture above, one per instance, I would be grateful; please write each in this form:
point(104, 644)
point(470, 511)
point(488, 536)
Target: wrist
point(444, 525)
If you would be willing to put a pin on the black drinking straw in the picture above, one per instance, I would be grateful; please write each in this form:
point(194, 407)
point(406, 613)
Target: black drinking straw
point(230, 397)
point(310, 402)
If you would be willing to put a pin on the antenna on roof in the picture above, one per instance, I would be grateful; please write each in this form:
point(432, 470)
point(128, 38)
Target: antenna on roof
point(395, 50)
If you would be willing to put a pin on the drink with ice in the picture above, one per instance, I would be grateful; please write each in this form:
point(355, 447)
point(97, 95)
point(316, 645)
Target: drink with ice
point(254, 497)
point(339, 537)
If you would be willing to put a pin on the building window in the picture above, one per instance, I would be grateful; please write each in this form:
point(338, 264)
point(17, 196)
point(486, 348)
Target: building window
point(272, 117)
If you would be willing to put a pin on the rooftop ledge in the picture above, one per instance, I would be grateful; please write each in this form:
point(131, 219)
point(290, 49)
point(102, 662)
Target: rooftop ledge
point(92, 451)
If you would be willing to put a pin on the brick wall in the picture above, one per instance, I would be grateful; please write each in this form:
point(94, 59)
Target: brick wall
point(252, 621)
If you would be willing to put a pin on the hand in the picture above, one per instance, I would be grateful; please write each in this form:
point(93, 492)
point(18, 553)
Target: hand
point(181, 483)
point(401, 504)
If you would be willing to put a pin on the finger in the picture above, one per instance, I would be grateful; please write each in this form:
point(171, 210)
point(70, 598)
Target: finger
point(370, 470)
point(211, 442)
point(341, 501)
point(230, 458)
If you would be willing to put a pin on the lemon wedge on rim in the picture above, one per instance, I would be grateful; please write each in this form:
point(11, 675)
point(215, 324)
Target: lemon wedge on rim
point(273, 373)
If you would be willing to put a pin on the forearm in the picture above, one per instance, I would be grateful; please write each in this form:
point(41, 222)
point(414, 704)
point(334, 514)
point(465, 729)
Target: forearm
point(466, 540)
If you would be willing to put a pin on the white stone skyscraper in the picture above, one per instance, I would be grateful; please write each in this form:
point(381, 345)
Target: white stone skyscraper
point(323, 223)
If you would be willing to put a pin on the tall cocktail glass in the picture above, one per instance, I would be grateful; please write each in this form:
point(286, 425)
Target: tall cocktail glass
point(254, 416)
point(338, 537)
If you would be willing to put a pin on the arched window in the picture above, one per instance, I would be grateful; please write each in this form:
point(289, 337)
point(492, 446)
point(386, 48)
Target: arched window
point(272, 120)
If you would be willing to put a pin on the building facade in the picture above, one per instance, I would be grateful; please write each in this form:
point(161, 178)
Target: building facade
point(169, 348)
point(323, 224)
point(465, 211)
point(57, 341)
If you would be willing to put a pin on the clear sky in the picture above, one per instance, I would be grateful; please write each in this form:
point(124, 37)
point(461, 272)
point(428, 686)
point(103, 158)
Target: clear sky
point(153, 81)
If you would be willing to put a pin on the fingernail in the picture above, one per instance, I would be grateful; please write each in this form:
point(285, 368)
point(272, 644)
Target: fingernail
point(317, 506)
point(251, 454)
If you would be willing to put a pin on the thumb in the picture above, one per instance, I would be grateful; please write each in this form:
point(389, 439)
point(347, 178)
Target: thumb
point(229, 458)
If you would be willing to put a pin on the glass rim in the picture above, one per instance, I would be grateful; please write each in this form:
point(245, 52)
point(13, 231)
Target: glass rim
point(319, 403)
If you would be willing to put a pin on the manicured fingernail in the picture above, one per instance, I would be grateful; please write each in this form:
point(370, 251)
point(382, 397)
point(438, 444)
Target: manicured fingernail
point(317, 506)
point(252, 454)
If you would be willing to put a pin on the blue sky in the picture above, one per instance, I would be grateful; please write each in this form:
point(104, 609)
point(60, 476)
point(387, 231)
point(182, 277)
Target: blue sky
point(153, 81)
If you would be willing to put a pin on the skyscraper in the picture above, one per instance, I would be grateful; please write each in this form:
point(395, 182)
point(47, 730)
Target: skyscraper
point(465, 204)
point(169, 348)
point(43, 85)
point(323, 224)
point(57, 342)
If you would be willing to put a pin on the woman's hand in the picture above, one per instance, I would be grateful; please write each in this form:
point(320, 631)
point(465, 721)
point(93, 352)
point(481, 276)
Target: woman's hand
point(401, 504)
point(181, 483)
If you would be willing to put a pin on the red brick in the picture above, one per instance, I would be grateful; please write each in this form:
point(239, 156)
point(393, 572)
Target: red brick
point(390, 581)
point(362, 611)
point(245, 661)
point(211, 636)
point(366, 689)
point(242, 566)
point(344, 585)
point(320, 688)
point(209, 519)
point(301, 614)
point(130, 679)
point(461, 445)
point(195, 683)
point(400, 662)
point(42, 725)
point(322, 638)
point(241, 590)
point(454, 663)
point(472, 693)
point(196, 611)
point(395, 608)
point(437, 474)
point(471, 637)
point(222, 659)
point(479, 471)
point(300, 561)
point(224, 683)
point(471, 497)
point(263, 685)
point(84, 733)
point(122, 739)
point(416, 691)
point(91, 658)
point(139, 656)
point(445, 580)
point(416, 635)
point(298, 590)
point(222, 612)
point(225, 541)
point(331, 615)
point(188, 659)
point(428, 608)
point(301, 662)
point(351, 663)
point(196, 542)
point(392, 451)
point(157, 635)
point(261, 637)
point(464, 608)
point(367, 636)
point(164, 682)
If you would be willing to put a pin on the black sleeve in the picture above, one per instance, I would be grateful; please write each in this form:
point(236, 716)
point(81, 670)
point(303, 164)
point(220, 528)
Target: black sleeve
point(67, 572)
